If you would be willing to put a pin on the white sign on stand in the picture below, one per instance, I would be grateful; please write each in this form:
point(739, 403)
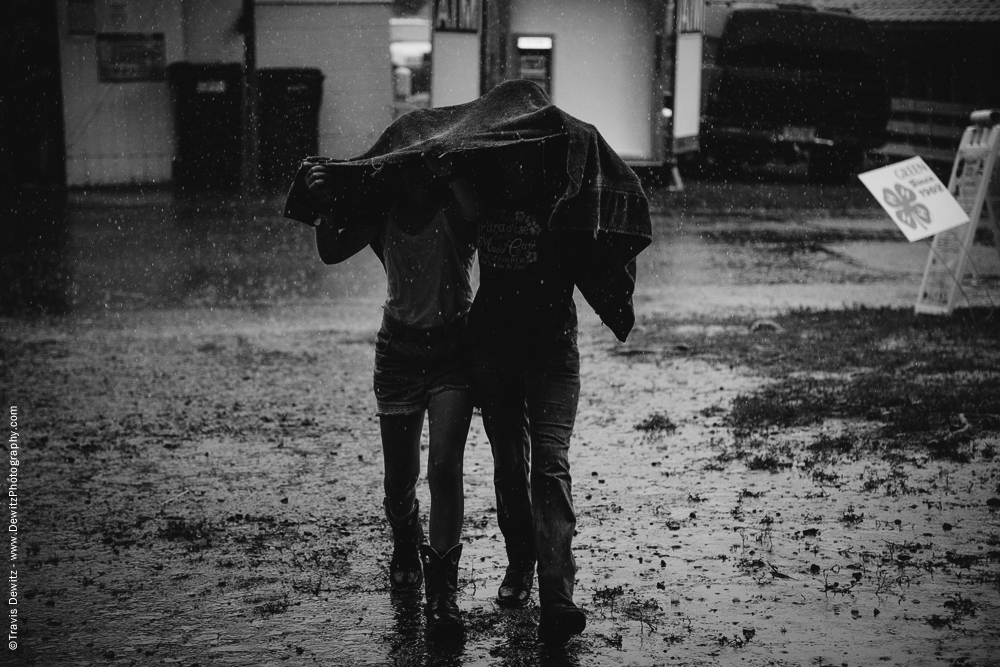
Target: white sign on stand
point(915, 198)
point(973, 184)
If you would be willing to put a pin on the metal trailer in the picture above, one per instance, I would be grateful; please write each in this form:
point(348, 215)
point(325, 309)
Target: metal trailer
point(632, 68)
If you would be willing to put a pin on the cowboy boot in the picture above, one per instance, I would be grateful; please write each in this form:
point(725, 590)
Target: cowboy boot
point(444, 620)
point(407, 537)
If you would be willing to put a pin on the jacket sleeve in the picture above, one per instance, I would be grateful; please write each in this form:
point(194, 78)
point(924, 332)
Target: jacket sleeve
point(611, 298)
point(606, 281)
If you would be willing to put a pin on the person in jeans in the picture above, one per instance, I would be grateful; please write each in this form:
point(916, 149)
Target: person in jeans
point(526, 366)
point(420, 368)
point(556, 209)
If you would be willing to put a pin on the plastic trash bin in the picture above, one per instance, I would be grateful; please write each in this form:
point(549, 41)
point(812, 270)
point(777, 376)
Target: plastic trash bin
point(208, 124)
point(288, 106)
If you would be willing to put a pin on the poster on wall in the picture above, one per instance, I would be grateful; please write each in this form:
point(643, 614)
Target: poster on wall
point(131, 57)
point(456, 15)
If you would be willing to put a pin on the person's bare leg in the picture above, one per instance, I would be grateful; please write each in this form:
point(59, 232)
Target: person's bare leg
point(450, 413)
point(401, 456)
point(401, 460)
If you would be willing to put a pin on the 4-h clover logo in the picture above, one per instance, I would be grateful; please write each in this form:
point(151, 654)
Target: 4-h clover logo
point(909, 214)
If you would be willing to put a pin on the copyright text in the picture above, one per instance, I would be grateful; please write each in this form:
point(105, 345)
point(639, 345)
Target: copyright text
point(13, 523)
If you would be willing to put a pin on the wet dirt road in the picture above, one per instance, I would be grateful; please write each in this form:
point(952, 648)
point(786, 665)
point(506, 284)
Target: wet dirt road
point(201, 470)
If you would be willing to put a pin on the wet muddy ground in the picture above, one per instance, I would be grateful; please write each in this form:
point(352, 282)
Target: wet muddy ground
point(782, 467)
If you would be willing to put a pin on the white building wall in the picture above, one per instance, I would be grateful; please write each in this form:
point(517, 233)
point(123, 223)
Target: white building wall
point(118, 132)
point(349, 43)
point(603, 64)
point(123, 133)
point(210, 31)
point(455, 79)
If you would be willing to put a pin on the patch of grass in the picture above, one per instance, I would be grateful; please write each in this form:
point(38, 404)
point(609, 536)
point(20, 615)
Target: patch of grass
point(647, 612)
point(197, 534)
point(266, 607)
point(614, 641)
point(965, 561)
point(768, 463)
point(823, 477)
point(607, 595)
point(783, 405)
point(656, 423)
point(850, 517)
point(896, 482)
point(959, 609)
point(924, 381)
point(117, 533)
point(827, 446)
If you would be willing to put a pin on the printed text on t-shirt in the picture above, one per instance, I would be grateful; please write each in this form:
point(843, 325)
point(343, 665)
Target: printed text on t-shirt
point(509, 241)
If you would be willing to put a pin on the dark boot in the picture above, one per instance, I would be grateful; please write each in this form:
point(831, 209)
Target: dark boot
point(444, 621)
point(515, 589)
point(560, 622)
point(407, 536)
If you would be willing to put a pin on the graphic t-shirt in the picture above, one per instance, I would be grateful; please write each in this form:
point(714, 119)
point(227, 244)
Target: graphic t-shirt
point(525, 297)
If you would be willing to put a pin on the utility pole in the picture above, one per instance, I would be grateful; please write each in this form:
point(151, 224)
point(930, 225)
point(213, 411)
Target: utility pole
point(251, 145)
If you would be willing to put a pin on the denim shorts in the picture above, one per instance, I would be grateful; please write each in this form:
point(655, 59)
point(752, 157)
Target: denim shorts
point(412, 365)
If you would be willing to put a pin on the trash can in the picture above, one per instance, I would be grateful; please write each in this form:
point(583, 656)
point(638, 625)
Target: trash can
point(288, 106)
point(208, 122)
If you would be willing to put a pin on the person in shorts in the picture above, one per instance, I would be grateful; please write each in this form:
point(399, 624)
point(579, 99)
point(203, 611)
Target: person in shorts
point(420, 368)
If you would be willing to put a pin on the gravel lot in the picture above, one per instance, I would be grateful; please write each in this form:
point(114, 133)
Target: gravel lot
point(200, 464)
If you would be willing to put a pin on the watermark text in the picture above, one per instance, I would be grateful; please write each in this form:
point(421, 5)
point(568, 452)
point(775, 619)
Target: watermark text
point(13, 526)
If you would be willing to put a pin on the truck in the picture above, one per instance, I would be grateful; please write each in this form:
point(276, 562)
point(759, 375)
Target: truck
point(792, 82)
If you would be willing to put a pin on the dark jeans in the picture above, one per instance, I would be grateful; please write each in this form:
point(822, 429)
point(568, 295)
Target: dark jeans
point(529, 407)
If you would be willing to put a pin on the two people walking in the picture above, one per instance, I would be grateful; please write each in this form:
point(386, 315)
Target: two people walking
point(525, 186)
